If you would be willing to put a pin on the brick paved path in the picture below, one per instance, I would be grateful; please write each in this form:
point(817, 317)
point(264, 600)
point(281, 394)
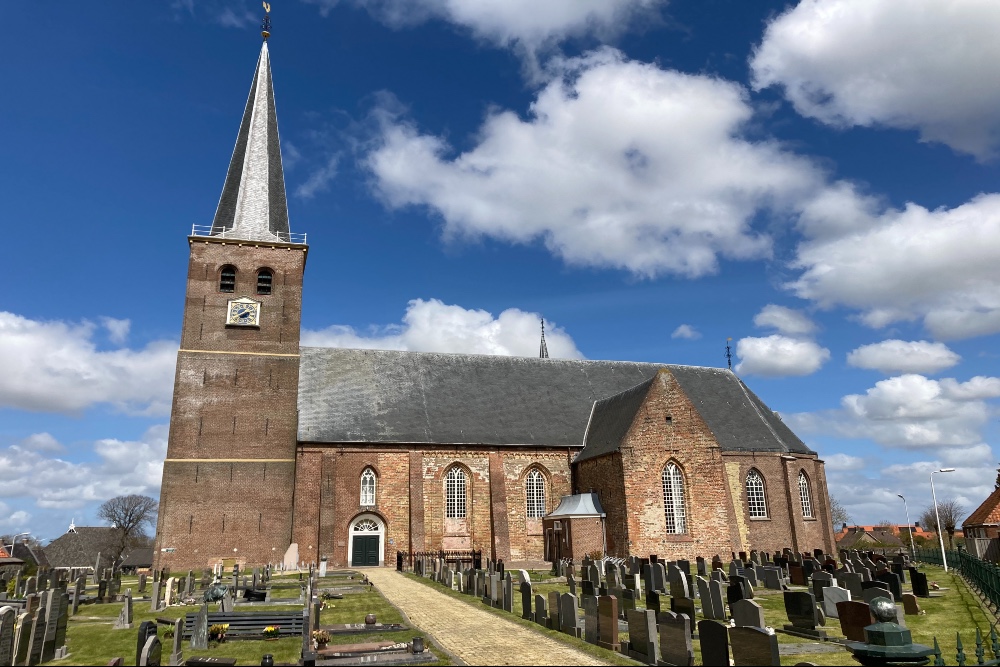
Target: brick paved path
point(476, 636)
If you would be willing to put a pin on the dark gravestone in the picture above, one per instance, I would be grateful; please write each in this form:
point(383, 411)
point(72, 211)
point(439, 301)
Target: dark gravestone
point(607, 623)
point(772, 578)
point(895, 585)
point(718, 601)
point(526, 597)
point(855, 616)
point(684, 606)
point(553, 610)
point(734, 592)
point(714, 639)
point(8, 618)
point(800, 607)
point(653, 601)
point(700, 564)
point(919, 581)
point(852, 582)
point(821, 580)
point(747, 613)
point(587, 588)
point(753, 646)
point(642, 637)
point(675, 639)
point(37, 637)
point(797, 575)
point(569, 615)
point(870, 594)
point(541, 617)
point(147, 629)
point(589, 603)
point(150, 656)
point(910, 605)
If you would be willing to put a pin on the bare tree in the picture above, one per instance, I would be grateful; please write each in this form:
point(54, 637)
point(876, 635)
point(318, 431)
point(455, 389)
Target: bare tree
point(129, 515)
point(952, 512)
point(838, 514)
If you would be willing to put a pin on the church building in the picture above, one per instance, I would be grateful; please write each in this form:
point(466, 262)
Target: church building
point(353, 455)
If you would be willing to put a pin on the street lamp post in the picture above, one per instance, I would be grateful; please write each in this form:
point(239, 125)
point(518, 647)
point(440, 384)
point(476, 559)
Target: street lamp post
point(909, 527)
point(937, 516)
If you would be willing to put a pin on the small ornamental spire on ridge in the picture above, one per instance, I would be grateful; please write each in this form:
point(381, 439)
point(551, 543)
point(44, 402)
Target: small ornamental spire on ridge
point(543, 349)
point(265, 25)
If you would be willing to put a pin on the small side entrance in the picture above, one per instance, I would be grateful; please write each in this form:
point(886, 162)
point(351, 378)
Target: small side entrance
point(366, 550)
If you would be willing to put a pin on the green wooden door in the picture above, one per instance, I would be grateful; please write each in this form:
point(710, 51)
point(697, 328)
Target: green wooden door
point(365, 550)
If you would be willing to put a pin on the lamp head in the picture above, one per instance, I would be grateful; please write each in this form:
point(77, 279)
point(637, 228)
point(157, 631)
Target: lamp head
point(946, 470)
point(900, 495)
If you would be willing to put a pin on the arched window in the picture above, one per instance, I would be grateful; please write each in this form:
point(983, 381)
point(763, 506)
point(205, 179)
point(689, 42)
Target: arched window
point(366, 526)
point(673, 499)
point(807, 508)
point(368, 488)
point(227, 279)
point(454, 490)
point(756, 500)
point(534, 492)
point(264, 279)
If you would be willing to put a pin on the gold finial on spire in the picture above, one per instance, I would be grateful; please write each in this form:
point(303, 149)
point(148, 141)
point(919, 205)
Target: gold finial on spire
point(265, 25)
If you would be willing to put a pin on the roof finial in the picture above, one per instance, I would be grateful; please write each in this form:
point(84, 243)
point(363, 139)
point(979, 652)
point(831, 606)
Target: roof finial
point(543, 349)
point(265, 25)
point(729, 354)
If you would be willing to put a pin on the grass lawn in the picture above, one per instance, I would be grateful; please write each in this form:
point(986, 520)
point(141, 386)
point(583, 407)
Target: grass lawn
point(951, 611)
point(91, 639)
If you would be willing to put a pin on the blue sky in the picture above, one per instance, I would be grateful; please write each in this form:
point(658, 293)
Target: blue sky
point(816, 180)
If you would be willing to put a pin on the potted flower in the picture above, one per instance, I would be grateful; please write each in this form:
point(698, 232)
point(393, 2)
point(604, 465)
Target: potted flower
point(271, 632)
point(321, 638)
point(218, 631)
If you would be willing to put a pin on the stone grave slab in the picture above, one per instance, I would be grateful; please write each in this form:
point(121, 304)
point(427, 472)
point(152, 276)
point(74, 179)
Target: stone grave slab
point(643, 638)
point(800, 607)
point(821, 580)
point(895, 585)
point(747, 613)
point(607, 623)
point(554, 610)
point(831, 596)
point(569, 615)
point(714, 639)
point(675, 639)
point(541, 617)
point(919, 582)
point(854, 617)
point(910, 605)
point(590, 619)
point(8, 619)
point(753, 646)
point(526, 597)
point(151, 652)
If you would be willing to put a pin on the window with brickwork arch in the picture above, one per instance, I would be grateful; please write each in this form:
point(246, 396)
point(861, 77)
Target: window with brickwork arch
point(227, 278)
point(368, 481)
point(756, 496)
point(804, 495)
point(673, 499)
point(455, 484)
point(534, 492)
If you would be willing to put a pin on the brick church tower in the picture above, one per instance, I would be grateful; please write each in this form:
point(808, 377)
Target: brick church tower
point(229, 475)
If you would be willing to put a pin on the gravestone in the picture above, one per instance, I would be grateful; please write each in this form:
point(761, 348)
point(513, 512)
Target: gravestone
point(571, 582)
point(854, 617)
point(587, 587)
point(735, 592)
point(643, 638)
point(154, 599)
point(821, 580)
point(177, 652)
point(700, 565)
point(772, 578)
point(797, 575)
point(541, 617)
point(747, 613)
point(870, 594)
point(707, 610)
point(910, 605)
point(675, 639)
point(653, 601)
point(831, 596)
point(168, 592)
point(199, 630)
point(78, 589)
point(8, 619)
point(627, 600)
point(714, 639)
point(102, 590)
point(895, 585)
point(590, 619)
point(508, 592)
point(852, 582)
point(568, 614)
point(554, 610)
point(800, 607)
point(607, 623)
point(919, 581)
point(679, 585)
point(526, 596)
point(753, 646)
point(124, 621)
point(151, 653)
point(37, 637)
point(718, 601)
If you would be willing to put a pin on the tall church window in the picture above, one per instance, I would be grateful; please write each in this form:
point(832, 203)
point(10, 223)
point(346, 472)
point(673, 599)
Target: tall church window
point(368, 488)
point(454, 490)
point(534, 491)
point(807, 509)
point(264, 279)
point(756, 500)
point(227, 279)
point(673, 499)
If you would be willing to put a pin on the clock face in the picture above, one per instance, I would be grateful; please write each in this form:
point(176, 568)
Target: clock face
point(243, 312)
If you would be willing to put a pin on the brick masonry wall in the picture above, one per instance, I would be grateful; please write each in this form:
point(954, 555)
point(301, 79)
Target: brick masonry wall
point(603, 476)
point(527, 541)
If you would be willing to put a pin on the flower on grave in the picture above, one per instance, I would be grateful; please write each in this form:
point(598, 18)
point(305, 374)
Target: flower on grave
point(218, 631)
point(935, 586)
point(769, 630)
point(272, 631)
point(321, 636)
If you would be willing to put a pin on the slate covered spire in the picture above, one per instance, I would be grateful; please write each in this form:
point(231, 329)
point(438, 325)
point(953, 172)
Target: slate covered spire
point(253, 204)
point(543, 349)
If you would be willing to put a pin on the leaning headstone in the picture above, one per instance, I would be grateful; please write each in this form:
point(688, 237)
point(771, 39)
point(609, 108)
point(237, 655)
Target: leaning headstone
point(607, 622)
point(854, 617)
point(8, 619)
point(675, 639)
point(151, 653)
point(910, 605)
point(772, 578)
point(568, 614)
point(707, 610)
point(643, 639)
point(168, 592)
point(526, 596)
point(199, 630)
point(747, 613)
point(714, 639)
point(754, 646)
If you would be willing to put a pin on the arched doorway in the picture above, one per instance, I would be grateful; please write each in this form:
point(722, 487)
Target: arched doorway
point(366, 541)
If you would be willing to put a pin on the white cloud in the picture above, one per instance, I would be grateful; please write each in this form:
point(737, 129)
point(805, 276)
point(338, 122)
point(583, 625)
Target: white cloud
point(919, 65)
point(686, 331)
point(900, 356)
point(56, 367)
point(320, 179)
point(117, 329)
point(11, 521)
point(228, 17)
point(41, 442)
point(907, 264)
point(785, 320)
point(779, 356)
point(617, 164)
point(843, 463)
point(433, 326)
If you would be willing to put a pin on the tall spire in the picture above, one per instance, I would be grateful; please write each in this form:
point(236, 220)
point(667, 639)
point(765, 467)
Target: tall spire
point(253, 204)
point(543, 349)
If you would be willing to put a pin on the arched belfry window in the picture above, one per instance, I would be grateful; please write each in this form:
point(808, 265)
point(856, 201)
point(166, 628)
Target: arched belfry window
point(368, 488)
point(227, 279)
point(534, 492)
point(673, 499)
point(454, 493)
point(807, 508)
point(264, 279)
point(756, 499)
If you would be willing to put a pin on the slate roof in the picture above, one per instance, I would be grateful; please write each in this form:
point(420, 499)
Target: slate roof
point(611, 419)
point(80, 547)
point(987, 514)
point(578, 505)
point(387, 396)
point(142, 557)
point(29, 554)
point(881, 537)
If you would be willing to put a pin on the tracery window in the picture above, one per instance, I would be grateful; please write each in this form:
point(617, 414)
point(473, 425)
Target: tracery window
point(264, 279)
point(227, 279)
point(807, 510)
point(454, 489)
point(366, 526)
point(534, 491)
point(368, 488)
point(756, 500)
point(673, 499)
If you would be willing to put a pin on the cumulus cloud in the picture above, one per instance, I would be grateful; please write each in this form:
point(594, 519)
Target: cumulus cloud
point(617, 164)
point(913, 263)
point(42, 442)
point(686, 331)
point(779, 356)
point(843, 463)
point(910, 411)
point(878, 63)
point(320, 179)
point(901, 356)
point(11, 521)
point(57, 367)
point(785, 320)
point(433, 326)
